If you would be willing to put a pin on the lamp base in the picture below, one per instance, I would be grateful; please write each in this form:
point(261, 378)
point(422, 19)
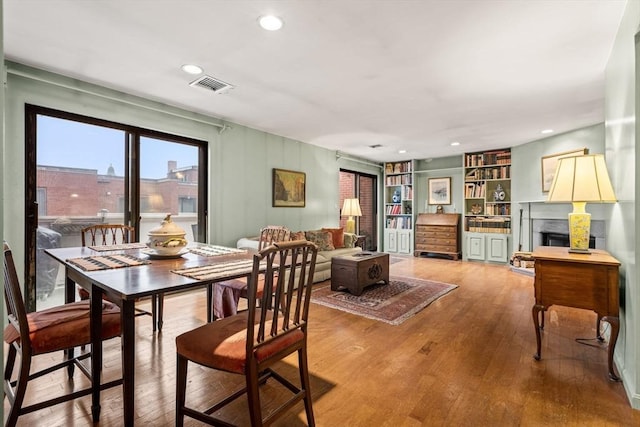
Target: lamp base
point(579, 229)
point(350, 226)
point(580, 251)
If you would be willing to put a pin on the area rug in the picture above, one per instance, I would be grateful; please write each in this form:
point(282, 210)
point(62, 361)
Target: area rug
point(394, 303)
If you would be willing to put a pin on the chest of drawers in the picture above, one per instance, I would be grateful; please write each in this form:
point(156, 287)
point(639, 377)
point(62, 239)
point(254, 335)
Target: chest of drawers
point(438, 234)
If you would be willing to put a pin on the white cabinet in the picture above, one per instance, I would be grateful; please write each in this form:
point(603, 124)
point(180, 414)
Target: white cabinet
point(486, 247)
point(398, 207)
point(390, 240)
point(487, 205)
point(398, 241)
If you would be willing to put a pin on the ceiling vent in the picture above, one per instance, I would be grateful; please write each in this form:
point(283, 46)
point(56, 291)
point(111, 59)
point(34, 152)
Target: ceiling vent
point(209, 83)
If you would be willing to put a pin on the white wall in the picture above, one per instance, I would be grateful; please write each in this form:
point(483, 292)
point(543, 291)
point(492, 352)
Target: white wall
point(621, 112)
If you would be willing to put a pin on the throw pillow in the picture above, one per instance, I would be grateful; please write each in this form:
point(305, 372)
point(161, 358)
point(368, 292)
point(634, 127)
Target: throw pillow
point(297, 235)
point(337, 235)
point(322, 239)
point(349, 240)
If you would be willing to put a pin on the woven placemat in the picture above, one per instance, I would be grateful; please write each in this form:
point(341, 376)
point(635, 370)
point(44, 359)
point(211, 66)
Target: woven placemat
point(223, 269)
point(106, 262)
point(213, 250)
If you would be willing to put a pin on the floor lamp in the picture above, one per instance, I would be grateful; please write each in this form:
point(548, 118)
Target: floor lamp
point(351, 208)
point(579, 180)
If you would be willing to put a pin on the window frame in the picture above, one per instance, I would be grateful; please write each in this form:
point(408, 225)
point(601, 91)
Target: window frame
point(131, 179)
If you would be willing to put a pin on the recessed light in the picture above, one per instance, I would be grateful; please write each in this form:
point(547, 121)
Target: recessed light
point(191, 69)
point(547, 131)
point(270, 22)
point(455, 143)
point(402, 151)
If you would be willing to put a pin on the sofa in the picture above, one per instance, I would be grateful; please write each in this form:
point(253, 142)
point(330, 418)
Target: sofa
point(330, 241)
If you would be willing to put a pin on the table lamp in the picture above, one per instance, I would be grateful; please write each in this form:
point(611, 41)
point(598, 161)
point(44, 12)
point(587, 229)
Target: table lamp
point(351, 208)
point(579, 180)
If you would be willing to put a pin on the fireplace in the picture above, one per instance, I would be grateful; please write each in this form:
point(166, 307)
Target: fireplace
point(562, 239)
point(555, 232)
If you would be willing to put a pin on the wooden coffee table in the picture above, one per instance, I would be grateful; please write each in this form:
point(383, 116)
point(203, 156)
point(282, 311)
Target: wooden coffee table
point(355, 272)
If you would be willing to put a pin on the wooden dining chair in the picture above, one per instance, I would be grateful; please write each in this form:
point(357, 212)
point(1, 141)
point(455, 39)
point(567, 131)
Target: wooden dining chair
point(238, 287)
point(251, 342)
point(115, 234)
point(55, 329)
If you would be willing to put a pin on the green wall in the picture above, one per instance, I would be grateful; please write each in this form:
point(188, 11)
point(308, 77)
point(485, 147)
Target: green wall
point(240, 158)
point(526, 183)
point(623, 234)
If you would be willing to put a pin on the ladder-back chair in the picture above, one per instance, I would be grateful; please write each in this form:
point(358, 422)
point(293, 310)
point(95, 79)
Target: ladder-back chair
point(238, 287)
point(251, 342)
point(54, 329)
point(116, 234)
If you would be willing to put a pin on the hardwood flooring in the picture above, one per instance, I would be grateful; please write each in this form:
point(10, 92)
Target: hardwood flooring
point(466, 360)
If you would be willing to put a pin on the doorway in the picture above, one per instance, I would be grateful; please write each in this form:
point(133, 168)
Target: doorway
point(364, 188)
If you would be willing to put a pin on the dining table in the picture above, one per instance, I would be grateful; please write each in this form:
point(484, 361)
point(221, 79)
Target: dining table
point(125, 273)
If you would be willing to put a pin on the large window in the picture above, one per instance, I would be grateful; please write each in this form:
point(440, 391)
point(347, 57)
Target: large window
point(82, 170)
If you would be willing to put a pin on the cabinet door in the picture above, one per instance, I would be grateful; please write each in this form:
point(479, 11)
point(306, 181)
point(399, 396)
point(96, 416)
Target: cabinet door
point(497, 248)
point(475, 246)
point(390, 240)
point(404, 241)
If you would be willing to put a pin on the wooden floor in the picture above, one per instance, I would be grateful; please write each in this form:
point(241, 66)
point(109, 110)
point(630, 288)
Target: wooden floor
point(466, 360)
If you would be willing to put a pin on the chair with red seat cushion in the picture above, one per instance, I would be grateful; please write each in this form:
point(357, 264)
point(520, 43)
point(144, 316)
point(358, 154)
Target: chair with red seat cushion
point(54, 329)
point(115, 234)
point(251, 342)
point(237, 288)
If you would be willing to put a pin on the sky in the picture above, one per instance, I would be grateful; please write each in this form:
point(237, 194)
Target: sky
point(66, 143)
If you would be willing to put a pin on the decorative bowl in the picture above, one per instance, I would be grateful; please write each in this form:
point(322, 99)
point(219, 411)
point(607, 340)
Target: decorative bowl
point(167, 238)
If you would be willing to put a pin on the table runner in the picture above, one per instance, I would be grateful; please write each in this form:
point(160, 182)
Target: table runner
point(105, 262)
point(213, 250)
point(223, 269)
point(120, 247)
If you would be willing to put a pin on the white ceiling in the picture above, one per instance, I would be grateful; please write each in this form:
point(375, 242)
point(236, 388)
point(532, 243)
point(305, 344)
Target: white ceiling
point(343, 74)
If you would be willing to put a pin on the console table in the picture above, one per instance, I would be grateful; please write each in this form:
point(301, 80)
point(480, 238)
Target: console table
point(577, 280)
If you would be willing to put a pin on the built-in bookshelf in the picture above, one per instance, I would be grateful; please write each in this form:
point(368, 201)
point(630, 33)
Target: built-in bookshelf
point(398, 206)
point(487, 199)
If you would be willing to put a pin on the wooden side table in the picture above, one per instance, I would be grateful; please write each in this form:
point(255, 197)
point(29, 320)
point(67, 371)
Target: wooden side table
point(361, 240)
point(577, 280)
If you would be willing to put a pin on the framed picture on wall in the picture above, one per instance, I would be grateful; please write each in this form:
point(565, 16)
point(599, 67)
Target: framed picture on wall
point(550, 162)
point(439, 191)
point(288, 188)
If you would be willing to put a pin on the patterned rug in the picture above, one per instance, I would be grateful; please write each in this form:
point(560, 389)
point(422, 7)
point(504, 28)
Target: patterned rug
point(393, 303)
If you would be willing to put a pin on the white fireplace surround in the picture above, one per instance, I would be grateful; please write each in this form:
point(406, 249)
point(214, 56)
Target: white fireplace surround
point(561, 226)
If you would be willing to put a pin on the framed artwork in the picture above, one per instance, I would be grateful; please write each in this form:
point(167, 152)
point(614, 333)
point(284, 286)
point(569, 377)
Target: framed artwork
point(550, 162)
point(288, 188)
point(439, 191)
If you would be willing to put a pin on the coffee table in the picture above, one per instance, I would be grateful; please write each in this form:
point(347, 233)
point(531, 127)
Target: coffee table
point(355, 272)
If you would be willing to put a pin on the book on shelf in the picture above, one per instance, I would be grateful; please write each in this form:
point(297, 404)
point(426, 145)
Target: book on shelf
point(474, 190)
point(500, 157)
point(498, 209)
point(399, 222)
point(398, 167)
point(489, 225)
